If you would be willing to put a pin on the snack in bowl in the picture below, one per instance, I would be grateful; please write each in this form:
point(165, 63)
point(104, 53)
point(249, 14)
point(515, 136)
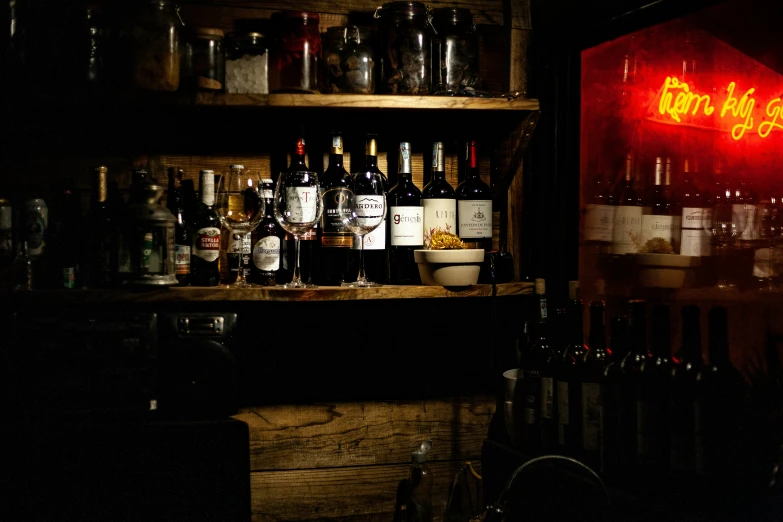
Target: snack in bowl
point(445, 261)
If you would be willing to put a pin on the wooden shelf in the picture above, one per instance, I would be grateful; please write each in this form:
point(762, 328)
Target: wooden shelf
point(361, 101)
point(222, 294)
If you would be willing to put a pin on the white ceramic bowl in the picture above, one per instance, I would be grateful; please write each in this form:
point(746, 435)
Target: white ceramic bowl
point(449, 267)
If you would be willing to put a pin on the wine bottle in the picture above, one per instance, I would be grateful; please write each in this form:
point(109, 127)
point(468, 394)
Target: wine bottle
point(675, 204)
point(568, 388)
point(406, 226)
point(631, 365)
point(65, 247)
point(438, 197)
point(532, 360)
point(591, 374)
point(549, 354)
point(336, 241)
point(474, 204)
point(627, 226)
point(266, 240)
point(376, 265)
point(204, 269)
point(694, 240)
point(102, 250)
point(599, 214)
point(614, 415)
point(659, 222)
point(310, 240)
point(175, 203)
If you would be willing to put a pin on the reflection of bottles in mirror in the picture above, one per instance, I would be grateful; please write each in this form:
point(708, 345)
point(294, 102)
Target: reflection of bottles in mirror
point(694, 240)
point(23, 269)
point(658, 221)
point(599, 214)
point(627, 225)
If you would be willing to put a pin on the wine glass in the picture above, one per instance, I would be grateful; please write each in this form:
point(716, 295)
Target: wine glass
point(361, 213)
point(298, 207)
point(725, 222)
point(240, 208)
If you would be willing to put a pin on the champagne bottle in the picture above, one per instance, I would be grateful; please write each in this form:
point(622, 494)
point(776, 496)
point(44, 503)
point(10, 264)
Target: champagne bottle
point(406, 226)
point(204, 269)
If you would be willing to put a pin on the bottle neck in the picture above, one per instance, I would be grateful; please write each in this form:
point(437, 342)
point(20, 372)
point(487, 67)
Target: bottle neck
point(371, 162)
point(101, 187)
point(438, 175)
point(471, 164)
point(597, 338)
point(297, 162)
point(690, 350)
point(335, 161)
point(575, 311)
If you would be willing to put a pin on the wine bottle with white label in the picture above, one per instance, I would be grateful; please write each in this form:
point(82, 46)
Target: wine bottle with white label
point(438, 197)
point(204, 269)
point(474, 205)
point(627, 225)
point(658, 222)
point(266, 240)
point(406, 223)
point(376, 263)
point(694, 240)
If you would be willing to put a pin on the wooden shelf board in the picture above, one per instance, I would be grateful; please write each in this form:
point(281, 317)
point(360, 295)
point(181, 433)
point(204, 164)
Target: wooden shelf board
point(363, 101)
point(222, 294)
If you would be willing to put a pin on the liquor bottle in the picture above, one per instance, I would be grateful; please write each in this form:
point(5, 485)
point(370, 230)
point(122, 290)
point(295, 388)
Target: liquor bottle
point(406, 226)
point(376, 262)
point(652, 413)
point(101, 252)
point(694, 240)
point(336, 241)
point(238, 250)
point(614, 403)
point(569, 425)
point(474, 205)
point(266, 239)
point(65, 248)
point(176, 204)
point(438, 197)
point(591, 375)
point(686, 428)
point(599, 214)
point(627, 225)
point(204, 269)
point(659, 222)
point(535, 393)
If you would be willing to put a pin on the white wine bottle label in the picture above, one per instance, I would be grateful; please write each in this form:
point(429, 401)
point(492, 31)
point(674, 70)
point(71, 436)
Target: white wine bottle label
point(266, 254)
point(626, 230)
point(407, 226)
point(744, 217)
point(531, 382)
point(182, 259)
point(475, 219)
point(562, 411)
point(239, 244)
point(598, 223)
point(206, 243)
point(439, 214)
point(547, 398)
point(369, 208)
point(694, 240)
point(592, 413)
point(302, 204)
point(658, 226)
point(375, 240)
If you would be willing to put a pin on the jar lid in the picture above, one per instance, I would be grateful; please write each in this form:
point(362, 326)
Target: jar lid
point(206, 32)
point(452, 15)
point(304, 15)
point(408, 9)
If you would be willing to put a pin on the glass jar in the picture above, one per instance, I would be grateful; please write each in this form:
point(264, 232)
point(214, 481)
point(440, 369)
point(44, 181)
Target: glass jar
point(455, 52)
point(155, 39)
point(296, 52)
point(350, 60)
point(247, 63)
point(405, 48)
point(209, 59)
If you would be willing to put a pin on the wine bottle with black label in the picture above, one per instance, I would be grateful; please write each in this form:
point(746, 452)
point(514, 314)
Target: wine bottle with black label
point(376, 262)
point(406, 223)
point(438, 198)
point(204, 269)
point(266, 240)
point(336, 241)
point(474, 205)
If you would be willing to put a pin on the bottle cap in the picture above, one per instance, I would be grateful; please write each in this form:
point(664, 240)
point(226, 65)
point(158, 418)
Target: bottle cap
point(540, 286)
point(267, 180)
point(573, 290)
point(420, 455)
point(236, 167)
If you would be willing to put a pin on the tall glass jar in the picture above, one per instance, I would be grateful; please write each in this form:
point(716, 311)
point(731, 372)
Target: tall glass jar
point(296, 52)
point(350, 60)
point(455, 52)
point(333, 45)
point(209, 59)
point(247, 63)
point(155, 40)
point(405, 48)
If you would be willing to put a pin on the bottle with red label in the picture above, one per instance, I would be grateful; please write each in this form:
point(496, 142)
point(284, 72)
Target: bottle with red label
point(205, 254)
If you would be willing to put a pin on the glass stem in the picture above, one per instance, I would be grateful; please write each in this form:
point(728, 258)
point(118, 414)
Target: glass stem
point(297, 274)
point(361, 277)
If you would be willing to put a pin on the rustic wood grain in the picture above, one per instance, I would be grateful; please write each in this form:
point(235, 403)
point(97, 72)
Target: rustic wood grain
point(520, 26)
point(361, 493)
point(222, 294)
point(357, 434)
point(362, 101)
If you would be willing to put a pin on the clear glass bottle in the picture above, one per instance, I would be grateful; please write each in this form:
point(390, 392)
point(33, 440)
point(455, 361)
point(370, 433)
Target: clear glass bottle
point(420, 480)
point(155, 41)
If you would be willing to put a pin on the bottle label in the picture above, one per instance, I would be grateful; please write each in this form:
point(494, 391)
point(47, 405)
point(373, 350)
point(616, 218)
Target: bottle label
point(439, 214)
point(407, 226)
point(598, 223)
point(626, 230)
point(694, 240)
point(206, 243)
point(266, 254)
point(658, 226)
point(562, 411)
point(475, 219)
point(547, 398)
point(592, 415)
point(268, 194)
point(182, 259)
point(531, 382)
point(334, 231)
point(542, 306)
point(302, 204)
point(745, 215)
point(367, 207)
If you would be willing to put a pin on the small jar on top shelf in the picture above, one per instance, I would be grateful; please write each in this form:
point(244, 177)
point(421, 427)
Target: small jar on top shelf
point(455, 52)
point(247, 63)
point(405, 48)
point(295, 57)
point(350, 60)
point(209, 59)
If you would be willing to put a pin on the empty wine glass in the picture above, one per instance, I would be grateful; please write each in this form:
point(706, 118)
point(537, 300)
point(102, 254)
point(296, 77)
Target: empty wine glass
point(725, 222)
point(240, 208)
point(298, 207)
point(361, 213)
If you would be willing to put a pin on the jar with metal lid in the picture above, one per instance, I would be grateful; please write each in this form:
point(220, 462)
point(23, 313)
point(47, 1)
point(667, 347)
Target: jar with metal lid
point(155, 41)
point(247, 63)
point(296, 52)
point(350, 60)
point(455, 52)
point(405, 48)
point(209, 59)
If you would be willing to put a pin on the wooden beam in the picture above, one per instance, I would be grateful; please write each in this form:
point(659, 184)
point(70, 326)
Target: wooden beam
point(520, 24)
